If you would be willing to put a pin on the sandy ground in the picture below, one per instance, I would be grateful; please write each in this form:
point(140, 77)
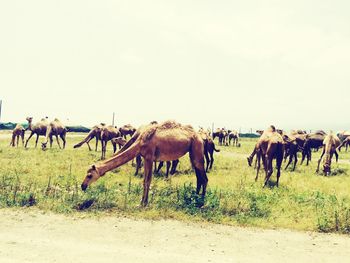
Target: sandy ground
point(31, 236)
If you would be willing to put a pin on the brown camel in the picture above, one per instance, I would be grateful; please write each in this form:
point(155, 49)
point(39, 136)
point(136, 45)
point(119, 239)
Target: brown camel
point(345, 142)
point(107, 134)
point(293, 143)
point(330, 145)
point(39, 129)
point(16, 133)
point(222, 135)
point(270, 146)
point(162, 142)
point(120, 141)
point(95, 132)
point(127, 130)
point(312, 141)
point(209, 148)
point(55, 128)
point(233, 135)
point(251, 156)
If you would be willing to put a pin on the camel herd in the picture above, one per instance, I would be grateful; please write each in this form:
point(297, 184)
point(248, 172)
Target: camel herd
point(168, 141)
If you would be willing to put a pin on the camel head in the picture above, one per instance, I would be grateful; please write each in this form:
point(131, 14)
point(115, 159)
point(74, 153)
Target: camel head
point(43, 146)
point(327, 164)
point(92, 176)
point(29, 119)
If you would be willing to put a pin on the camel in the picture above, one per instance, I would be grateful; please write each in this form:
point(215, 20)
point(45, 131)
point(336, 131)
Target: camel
point(39, 129)
point(233, 135)
point(294, 143)
point(345, 142)
point(107, 134)
point(222, 135)
point(251, 156)
point(55, 128)
point(16, 133)
point(127, 130)
point(161, 142)
point(330, 145)
point(312, 141)
point(95, 132)
point(120, 141)
point(270, 146)
point(209, 148)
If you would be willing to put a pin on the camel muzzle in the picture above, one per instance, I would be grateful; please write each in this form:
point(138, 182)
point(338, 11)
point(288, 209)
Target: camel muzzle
point(83, 187)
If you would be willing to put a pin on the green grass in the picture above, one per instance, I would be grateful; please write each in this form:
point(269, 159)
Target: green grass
point(51, 181)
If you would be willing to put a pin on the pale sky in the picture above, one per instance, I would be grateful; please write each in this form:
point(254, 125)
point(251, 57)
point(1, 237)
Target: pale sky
point(239, 64)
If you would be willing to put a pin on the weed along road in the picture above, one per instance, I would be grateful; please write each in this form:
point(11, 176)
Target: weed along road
point(29, 235)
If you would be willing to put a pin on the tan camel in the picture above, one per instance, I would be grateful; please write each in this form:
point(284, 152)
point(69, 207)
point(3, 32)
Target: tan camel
point(55, 128)
point(163, 142)
point(233, 135)
point(107, 134)
point(330, 144)
point(39, 129)
point(270, 146)
point(127, 130)
point(16, 133)
point(95, 132)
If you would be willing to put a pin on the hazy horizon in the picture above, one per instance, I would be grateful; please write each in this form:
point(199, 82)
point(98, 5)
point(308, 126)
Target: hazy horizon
point(245, 64)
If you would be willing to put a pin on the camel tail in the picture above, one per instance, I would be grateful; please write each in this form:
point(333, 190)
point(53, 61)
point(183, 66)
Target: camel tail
point(216, 149)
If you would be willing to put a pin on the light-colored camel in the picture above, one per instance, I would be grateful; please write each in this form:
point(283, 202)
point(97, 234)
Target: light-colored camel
point(127, 129)
point(162, 142)
point(270, 146)
point(39, 129)
point(233, 135)
point(55, 128)
point(107, 134)
point(95, 132)
point(330, 144)
point(17, 132)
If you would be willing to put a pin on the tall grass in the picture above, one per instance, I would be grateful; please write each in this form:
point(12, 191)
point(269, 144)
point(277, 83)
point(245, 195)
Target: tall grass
point(51, 180)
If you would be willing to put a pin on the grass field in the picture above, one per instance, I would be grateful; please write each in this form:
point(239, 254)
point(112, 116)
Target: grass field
point(51, 180)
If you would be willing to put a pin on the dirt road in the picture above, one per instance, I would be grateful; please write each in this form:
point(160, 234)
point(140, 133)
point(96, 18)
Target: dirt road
point(30, 236)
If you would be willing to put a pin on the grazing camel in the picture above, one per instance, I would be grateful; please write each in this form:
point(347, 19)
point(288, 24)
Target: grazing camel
point(330, 145)
point(312, 141)
point(294, 143)
point(127, 130)
point(209, 148)
point(95, 132)
point(233, 135)
point(269, 146)
point(107, 134)
point(251, 156)
point(161, 142)
point(345, 142)
point(120, 141)
point(55, 128)
point(39, 129)
point(16, 133)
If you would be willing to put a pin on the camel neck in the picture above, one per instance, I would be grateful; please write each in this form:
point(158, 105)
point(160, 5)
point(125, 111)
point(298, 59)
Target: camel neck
point(118, 160)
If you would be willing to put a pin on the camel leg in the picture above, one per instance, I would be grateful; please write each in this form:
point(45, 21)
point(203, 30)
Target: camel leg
point(173, 166)
point(207, 160)
point(268, 169)
point(96, 145)
point(147, 181)
point(58, 141)
point(17, 140)
point(212, 158)
point(197, 160)
point(279, 160)
point(250, 158)
point(63, 137)
point(160, 166)
point(319, 161)
point(258, 160)
point(37, 139)
point(30, 136)
point(168, 164)
point(138, 164)
point(51, 141)
point(295, 160)
point(289, 162)
point(336, 155)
